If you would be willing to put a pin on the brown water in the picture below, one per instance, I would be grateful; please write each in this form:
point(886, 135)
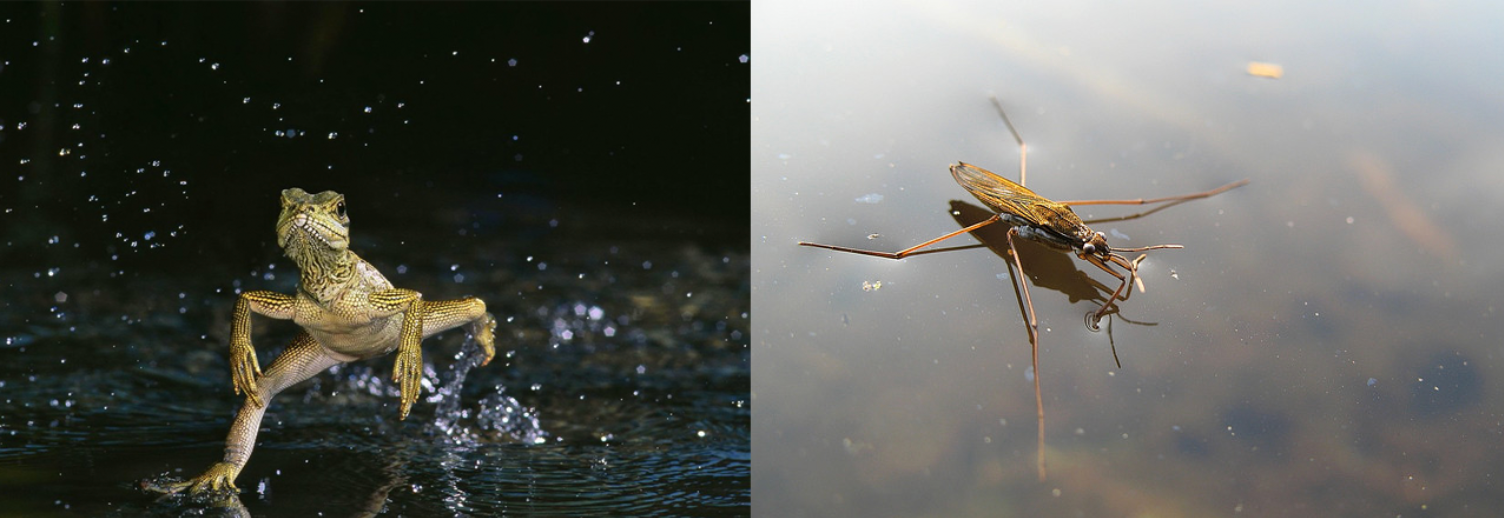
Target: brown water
point(1319, 348)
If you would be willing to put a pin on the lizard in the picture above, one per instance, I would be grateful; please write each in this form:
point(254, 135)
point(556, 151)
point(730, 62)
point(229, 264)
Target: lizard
point(347, 311)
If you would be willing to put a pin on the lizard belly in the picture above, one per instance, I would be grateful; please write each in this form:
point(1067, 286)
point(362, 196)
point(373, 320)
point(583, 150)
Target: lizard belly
point(375, 337)
point(345, 333)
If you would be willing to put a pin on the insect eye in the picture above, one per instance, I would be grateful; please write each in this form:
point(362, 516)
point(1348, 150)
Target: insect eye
point(1088, 248)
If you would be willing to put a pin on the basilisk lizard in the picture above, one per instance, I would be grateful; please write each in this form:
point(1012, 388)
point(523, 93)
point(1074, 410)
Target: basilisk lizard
point(347, 311)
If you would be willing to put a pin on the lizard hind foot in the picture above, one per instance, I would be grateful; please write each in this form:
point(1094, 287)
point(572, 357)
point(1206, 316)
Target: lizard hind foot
point(218, 479)
point(484, 331)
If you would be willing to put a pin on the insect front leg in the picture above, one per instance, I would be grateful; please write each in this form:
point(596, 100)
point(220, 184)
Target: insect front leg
point(1096, 316)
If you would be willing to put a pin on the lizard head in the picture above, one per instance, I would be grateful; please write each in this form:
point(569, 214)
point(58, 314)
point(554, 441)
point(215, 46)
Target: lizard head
point(313, 226)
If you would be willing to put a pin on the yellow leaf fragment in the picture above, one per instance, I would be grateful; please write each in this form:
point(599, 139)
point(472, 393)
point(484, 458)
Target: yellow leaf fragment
point(1269, 70)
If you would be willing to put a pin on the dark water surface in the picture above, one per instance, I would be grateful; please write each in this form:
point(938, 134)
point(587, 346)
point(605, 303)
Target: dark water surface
point(549, 161)
point(1323, 346)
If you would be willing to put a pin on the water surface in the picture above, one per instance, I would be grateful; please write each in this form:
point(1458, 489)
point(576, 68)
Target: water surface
point(1321, 347)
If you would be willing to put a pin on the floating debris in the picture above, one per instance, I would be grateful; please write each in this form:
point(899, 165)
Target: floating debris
point(870, 198)
point(872, 285)
point(1269, 70)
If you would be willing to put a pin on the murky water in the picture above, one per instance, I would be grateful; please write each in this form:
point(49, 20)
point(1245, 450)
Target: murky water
point(489, 150)
point(1321, 347)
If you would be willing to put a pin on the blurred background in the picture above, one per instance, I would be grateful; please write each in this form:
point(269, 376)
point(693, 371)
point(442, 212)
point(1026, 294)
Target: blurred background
point(576, 166)
point(1321, 347)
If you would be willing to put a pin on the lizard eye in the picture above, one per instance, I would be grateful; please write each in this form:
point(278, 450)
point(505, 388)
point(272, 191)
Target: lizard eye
point(339, 208)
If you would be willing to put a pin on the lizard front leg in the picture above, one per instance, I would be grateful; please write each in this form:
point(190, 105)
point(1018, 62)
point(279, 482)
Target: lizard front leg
point(244, 368)
point(408, 371)
point(303, 359)
point(443, 315)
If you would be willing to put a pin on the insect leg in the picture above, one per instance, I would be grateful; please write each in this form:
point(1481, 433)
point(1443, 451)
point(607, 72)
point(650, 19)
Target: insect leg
point(901, 253)
point(1116, 294)
point(1023, 150)
point(1034, 345)
point(1181, 198)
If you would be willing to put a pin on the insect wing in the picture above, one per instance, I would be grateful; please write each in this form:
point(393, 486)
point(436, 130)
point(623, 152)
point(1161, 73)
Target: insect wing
point(998, 193)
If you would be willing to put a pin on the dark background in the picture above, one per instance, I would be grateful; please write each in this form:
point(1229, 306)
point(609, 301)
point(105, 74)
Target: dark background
point(594, 194)
point(118, 123)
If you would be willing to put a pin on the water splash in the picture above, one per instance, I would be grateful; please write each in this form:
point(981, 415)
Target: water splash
point(497, 417)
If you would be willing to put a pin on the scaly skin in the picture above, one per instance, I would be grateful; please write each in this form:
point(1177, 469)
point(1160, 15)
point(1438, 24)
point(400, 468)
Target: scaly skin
point(348, 312)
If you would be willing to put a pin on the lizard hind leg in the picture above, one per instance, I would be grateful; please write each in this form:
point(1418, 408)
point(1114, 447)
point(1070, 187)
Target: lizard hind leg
point(304, 358)
point(443, 315)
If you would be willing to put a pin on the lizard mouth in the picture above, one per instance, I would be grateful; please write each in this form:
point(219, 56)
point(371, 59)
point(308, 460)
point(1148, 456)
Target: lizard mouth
point(303, 231)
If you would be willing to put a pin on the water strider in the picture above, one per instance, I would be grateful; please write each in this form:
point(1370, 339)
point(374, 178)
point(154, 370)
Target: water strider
point(1052, 223)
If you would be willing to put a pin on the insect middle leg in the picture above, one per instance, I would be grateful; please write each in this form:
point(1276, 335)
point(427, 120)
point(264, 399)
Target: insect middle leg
point(1033, 326)
point(910, 250)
